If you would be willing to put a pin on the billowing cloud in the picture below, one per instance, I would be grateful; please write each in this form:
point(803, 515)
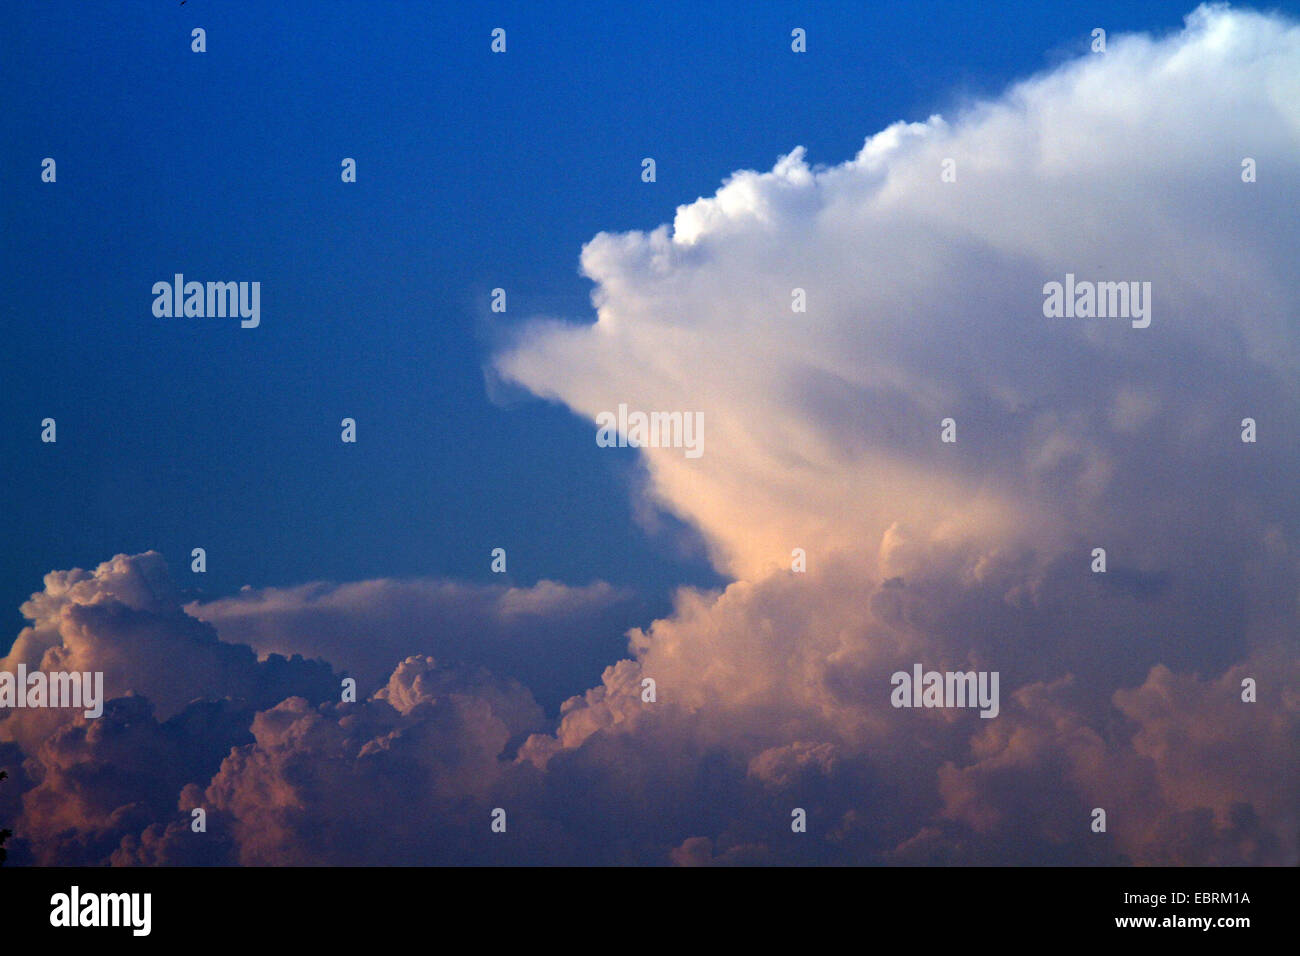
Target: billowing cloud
point(183, 704)
point(124, 619)
point(925, 301)
point(394, 779)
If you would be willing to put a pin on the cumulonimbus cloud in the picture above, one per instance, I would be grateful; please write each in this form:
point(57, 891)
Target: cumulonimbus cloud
point(924, 301)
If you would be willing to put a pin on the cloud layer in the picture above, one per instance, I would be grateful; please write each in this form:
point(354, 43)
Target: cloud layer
point(547, 636)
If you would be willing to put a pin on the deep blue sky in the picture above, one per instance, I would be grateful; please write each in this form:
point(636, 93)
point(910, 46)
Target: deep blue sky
point(475, 171)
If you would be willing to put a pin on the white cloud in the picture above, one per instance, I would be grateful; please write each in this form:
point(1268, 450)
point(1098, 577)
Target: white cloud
point(925, 301)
